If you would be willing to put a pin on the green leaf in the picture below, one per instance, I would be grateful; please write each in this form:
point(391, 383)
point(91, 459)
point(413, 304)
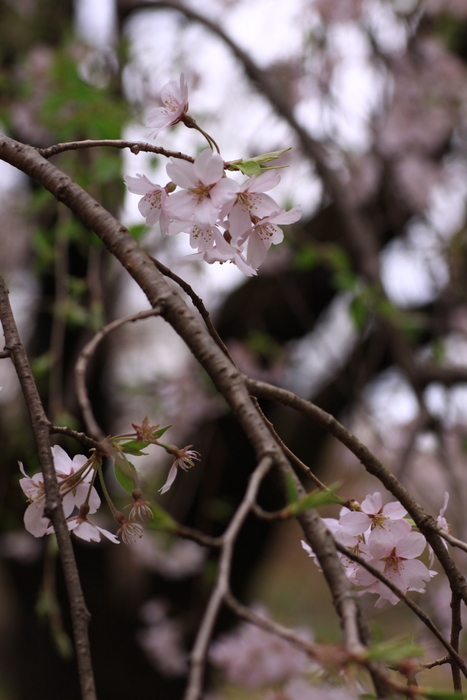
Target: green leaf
point(394, 651)
point(292, 494)
point(307, 258)
point(159, 433)
point(317, 498)
point(358, 312)
point(134, 447)
point(272, 155)
point(125, 473)
point(162, 520)
point(249, 167)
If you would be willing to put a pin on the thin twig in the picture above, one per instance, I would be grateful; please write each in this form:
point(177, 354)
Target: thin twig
point(437, 662)
point(41, 426)
point(189, 533)
point(81, 367)
point(269, 625)
point(134, 146)
point(197, 302)
point(452, 540)
point(221, 587)
point(84, 439)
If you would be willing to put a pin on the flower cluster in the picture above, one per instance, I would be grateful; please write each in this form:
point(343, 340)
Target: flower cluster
point(74, 477)
point(226, 221)
point(79, 497)
point(381, 536)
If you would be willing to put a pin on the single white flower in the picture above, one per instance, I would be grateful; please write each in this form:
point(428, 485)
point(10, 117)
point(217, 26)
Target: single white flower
point(205, 190)
point(174, 98)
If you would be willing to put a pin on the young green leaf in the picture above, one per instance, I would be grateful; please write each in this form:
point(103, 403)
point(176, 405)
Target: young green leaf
point(125, 473)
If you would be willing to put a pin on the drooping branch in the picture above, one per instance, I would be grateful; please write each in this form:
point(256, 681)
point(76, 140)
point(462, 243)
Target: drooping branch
point(82, 364)
point(425, 522)
point(222, 585)
point(230, 383)
point(41, 428)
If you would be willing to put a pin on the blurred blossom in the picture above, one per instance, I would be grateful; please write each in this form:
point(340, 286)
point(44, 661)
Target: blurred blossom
point(251, 657)
point(21, 547)
point(174, 98)
point(339, 10)
point(429, 88)
point(162, 639)
point(183, 558)
point(416, 177)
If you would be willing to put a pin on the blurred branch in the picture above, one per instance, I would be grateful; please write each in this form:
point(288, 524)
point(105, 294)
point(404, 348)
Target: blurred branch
point(81, 367)
point(221, 587)
point(41, 427)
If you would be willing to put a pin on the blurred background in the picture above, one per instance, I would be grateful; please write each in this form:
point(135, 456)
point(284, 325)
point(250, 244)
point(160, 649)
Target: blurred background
point(362, 309)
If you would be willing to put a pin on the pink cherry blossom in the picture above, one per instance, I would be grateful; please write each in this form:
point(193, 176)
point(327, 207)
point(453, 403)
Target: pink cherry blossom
point(396, 559)
point(153, 203)
point(443, 524)
point(174, 98)
point(373, 515)
point(74, 492)
point(86, 530)
point(265, 232)
point(205, 189)
point(251, 201)
point(185, 460)
point(225, 252)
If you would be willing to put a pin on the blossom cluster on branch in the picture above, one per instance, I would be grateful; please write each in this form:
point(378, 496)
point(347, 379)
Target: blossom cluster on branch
point(226, 221)
point(383, 538)
point(79, 497)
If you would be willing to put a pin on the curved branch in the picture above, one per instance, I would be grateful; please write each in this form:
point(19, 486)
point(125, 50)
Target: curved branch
point(134, 146)
point(80, 616)
point(81, 367)
point(221, 587)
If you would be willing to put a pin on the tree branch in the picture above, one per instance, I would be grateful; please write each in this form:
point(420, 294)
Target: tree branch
point(80, 616)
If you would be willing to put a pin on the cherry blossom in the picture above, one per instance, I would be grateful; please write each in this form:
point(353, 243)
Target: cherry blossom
point(86, 530)
point(153, 203)
point(184, 459)
point(174, 98)
point(223, 251)
point(251, 201)
point(395, 557)
point(205, 189)
point(443, 524)
point(266, 231)
point(74, 493)
point(130, 531)
point(374, 515)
